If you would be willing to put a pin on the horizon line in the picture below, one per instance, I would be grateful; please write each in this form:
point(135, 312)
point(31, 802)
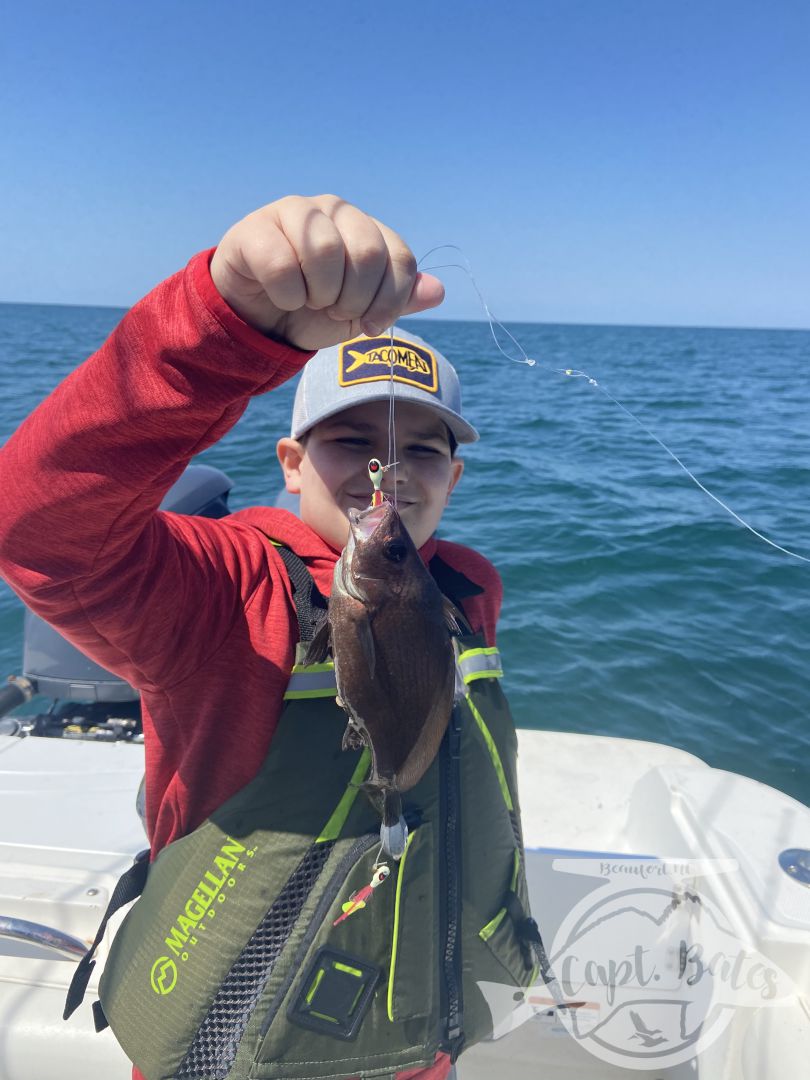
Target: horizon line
point(484, 322)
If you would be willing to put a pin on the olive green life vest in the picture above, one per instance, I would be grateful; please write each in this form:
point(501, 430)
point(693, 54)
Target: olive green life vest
point(231, 964)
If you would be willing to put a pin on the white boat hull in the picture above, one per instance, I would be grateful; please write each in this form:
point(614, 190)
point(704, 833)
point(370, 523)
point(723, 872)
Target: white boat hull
point(68, 829)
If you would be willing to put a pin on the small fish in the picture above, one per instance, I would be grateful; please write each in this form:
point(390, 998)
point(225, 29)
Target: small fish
point(390, 631)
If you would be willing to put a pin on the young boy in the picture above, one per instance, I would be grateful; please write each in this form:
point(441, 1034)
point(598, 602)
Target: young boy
point(202, 616)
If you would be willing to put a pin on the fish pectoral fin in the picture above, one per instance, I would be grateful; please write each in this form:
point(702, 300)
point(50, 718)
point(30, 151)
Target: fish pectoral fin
point(451, 616)
point(375, 796)
point(352, 737)
point(366, 639)
point(319, 646)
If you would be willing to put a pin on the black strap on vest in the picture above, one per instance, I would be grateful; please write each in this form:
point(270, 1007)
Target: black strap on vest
point(456, 587)
point(452, 582)
point(130, 886)
point(531, 945)
point(526, 928)
point(310, 605)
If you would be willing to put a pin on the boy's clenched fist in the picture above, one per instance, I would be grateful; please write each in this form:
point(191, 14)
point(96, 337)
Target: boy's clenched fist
point(317, 271)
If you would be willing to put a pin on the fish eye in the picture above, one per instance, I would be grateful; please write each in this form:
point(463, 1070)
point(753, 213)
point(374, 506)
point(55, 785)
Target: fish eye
point(395, 550)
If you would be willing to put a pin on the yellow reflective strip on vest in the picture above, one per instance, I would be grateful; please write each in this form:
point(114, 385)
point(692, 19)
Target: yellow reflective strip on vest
point(315, 985)
point(487, 931)
point(295, 695)
point(331, 829)
point(495, 673)
point(493, 753)
point(396, 927)
point(349, 970)
point(484, 663)
point(312, 681)
point(515, 870)
point(323, 1016)
point(490, 650)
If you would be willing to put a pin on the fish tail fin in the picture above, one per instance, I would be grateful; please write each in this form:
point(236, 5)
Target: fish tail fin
point(392, 808)
point(393, 831)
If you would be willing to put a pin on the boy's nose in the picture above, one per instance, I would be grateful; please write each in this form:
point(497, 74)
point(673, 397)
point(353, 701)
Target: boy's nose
point(395, 474)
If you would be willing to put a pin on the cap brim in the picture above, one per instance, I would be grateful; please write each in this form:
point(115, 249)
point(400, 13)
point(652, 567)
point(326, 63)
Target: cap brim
point(462, 431)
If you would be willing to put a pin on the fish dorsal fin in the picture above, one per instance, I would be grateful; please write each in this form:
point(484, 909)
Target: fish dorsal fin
point(453, 619)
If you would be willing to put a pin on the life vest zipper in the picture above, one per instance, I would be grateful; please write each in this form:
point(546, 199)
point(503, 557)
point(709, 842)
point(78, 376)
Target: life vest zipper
point(450, 874)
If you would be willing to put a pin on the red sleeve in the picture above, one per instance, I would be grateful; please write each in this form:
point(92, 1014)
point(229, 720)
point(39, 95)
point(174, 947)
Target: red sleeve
point(81, 540)
point(483, 609)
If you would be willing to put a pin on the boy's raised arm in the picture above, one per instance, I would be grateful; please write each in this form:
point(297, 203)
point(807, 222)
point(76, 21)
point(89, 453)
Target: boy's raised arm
point(80, 537)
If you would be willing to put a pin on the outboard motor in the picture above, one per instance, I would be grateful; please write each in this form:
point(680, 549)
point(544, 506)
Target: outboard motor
point(89, 701)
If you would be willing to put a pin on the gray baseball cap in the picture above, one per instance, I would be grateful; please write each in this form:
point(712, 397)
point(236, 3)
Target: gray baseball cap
point(359, 370)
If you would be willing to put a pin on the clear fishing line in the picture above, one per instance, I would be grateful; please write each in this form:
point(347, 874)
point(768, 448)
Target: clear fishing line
point(392, 421)
point(524, 358)
point(575, 373)
point(691, 475)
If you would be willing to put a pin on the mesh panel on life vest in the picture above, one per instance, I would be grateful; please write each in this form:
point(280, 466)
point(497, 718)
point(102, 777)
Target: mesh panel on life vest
point(214, 1048)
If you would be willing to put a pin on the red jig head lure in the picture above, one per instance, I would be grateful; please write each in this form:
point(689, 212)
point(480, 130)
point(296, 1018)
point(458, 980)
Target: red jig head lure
point(376, 471)
point(359, 899)
point(375, 475)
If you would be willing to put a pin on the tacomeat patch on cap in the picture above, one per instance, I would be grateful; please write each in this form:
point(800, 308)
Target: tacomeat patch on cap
point(366, 360)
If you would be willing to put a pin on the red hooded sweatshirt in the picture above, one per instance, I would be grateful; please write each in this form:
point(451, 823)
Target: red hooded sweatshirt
point(196, 613)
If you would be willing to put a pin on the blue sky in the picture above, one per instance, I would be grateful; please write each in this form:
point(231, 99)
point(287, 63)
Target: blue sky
point(620, 161)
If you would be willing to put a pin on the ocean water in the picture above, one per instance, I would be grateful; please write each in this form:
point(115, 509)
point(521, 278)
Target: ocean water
point(634, 606)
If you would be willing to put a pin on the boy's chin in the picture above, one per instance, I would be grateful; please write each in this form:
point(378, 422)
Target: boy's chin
point(418, 529)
